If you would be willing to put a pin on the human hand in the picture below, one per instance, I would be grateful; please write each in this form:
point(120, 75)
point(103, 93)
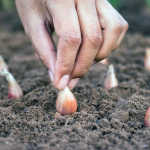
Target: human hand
point(88, 31)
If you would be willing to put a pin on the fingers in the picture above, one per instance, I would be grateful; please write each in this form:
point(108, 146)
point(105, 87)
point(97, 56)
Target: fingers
point(35, 28)
point(44, 46)
point(113, 28)
point(66, 25)
point(71, 62)
point(91, 39)
point(125, 28)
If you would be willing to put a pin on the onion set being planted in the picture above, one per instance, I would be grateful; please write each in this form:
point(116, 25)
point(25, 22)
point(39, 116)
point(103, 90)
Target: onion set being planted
point(66, 103)
point(3, 64)
point(14, 90)
point(111, 80)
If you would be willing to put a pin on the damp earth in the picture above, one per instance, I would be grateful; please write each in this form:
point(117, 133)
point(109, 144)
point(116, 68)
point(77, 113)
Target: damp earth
point(111, 120)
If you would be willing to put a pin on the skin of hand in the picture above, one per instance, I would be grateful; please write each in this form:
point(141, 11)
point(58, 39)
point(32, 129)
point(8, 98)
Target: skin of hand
point(88, 31)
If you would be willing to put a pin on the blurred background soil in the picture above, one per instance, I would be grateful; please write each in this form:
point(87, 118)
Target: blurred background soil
point(110, 120)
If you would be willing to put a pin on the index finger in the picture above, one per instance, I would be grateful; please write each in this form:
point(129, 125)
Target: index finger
point(68, 30)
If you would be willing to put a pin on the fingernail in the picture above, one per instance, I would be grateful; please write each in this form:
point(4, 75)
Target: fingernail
point(63, 82)
point(72, 83)
point(51, 76)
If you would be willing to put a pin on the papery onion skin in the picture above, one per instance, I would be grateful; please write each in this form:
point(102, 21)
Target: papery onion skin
point(17, 95)
point(111, 80)
point(14, 90)
point(66, 103)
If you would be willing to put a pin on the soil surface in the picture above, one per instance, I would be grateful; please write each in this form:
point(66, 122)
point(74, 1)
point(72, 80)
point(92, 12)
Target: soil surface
point(111, 120)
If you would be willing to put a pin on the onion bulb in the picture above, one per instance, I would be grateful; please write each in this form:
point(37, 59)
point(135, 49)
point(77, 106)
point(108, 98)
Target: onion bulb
point(66, 103)
point(14, 90)
point(147, 118)
point(111, 80)
point(147, 59)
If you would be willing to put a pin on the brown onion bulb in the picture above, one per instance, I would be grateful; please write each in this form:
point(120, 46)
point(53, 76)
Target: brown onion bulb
point(111, 80)
point(147, 118)
point(66, 103)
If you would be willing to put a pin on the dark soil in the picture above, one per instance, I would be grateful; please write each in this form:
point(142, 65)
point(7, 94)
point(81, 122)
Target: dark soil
point(110, 120)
